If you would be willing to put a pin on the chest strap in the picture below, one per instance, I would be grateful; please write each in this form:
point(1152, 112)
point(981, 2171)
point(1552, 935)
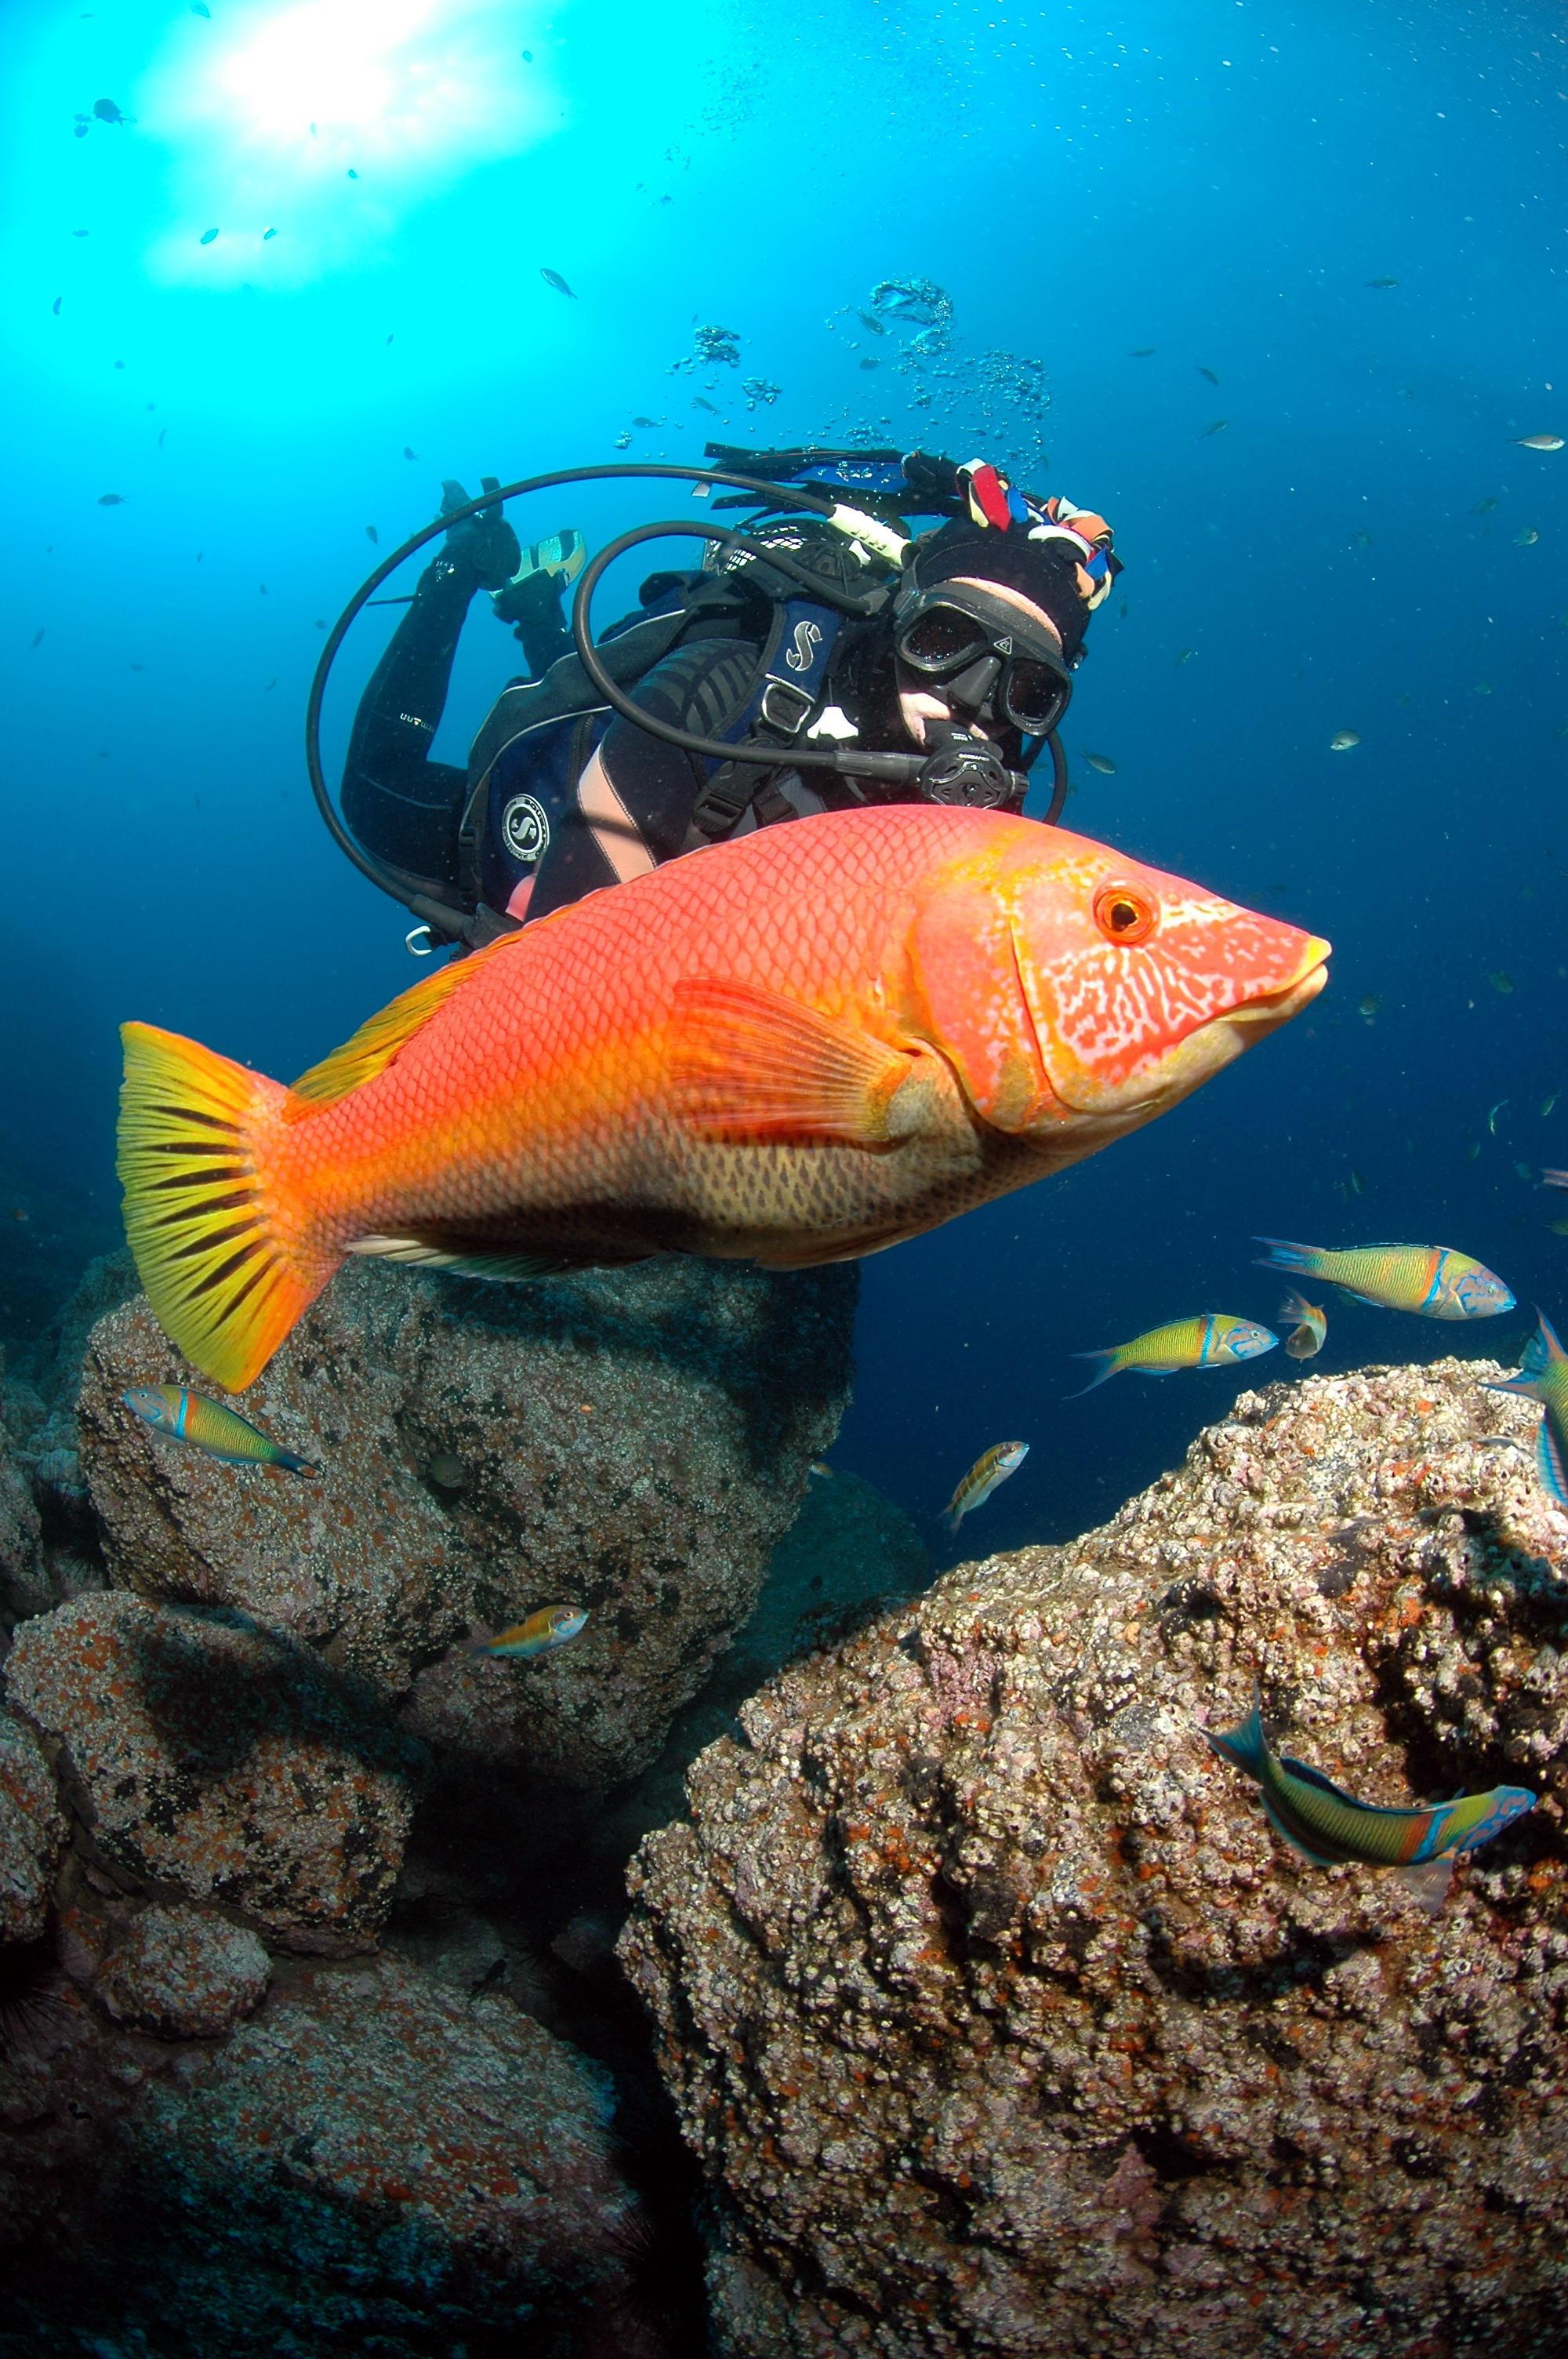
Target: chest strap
point(788, 688)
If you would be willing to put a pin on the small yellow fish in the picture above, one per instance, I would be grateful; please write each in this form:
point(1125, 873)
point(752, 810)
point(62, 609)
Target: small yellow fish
point(209, 1426)
point(1546, 1103)
point(1216, 426)
point(1500, 981)
point(1368, 1007)
point(1342, 741)
point(1527, 538)
point(1102, 762)
point(540, 1634)
point(1304, 1340)
point(823, 1472)
point(1184, 655)
point(1380, 282)
point(1538, 441)
point(991, 1468)
point(1492, 1113)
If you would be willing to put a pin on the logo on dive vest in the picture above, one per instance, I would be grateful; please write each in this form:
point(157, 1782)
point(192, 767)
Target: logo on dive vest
point(1004, 646)
point(808, 639)
point(525, 829)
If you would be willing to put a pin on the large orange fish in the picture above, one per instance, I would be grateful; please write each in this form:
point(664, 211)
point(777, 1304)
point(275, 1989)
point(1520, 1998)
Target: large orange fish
point(795, 1048)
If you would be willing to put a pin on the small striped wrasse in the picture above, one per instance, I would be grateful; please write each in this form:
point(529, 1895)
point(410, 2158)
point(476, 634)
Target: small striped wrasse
point(1328, 1826)
point(1212, 1340)
point(1543, 1377)
point(992, 1467)
point(1431, 1280)
point(181, 1416)
point(537, 1634)
point(1308, 1327)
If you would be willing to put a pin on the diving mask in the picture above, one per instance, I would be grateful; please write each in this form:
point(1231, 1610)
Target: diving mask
point(988, 658)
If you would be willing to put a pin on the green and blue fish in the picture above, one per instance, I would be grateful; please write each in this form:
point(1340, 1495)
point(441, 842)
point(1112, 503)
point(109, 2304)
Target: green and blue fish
point(181, 1416)
point(1212, 1340)
point(540, 1634)
point(1328, 1826)
point(1309, 1327)
point(992, 1467)
point(1543, 1377)
point(1431, 1280)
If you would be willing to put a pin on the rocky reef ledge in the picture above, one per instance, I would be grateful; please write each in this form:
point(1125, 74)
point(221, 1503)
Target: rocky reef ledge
point(1002, 2025)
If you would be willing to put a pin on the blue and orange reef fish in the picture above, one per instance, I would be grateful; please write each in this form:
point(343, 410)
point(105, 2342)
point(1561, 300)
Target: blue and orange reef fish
point(208, 1425)
point(1328, 1827)
point(1212, 1340)
point(1428, 1279)
point(805, 1045)
point(538, 1634)
point(991, 1468)
point(1308, 1329)
point(1543, 1377)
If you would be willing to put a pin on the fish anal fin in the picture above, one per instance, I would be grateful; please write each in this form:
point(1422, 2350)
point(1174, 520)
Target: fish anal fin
point(751, 1064)
point(371, 1049)
point(1427, 1880)
point(504, 1264)
point(1287, 1834)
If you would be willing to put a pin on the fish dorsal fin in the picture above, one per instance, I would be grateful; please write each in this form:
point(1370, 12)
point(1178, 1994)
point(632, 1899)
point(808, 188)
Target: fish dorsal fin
point(372, 1049)
point(1312, 1776)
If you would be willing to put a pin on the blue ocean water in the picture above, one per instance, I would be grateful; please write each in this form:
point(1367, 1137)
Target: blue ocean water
point(1123, 204)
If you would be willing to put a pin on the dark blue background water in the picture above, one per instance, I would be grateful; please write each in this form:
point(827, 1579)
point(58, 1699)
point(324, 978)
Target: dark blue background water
point(1219, 183)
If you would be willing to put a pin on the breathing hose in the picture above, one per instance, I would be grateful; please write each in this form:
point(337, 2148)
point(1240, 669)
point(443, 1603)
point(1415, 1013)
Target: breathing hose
point(974, 774)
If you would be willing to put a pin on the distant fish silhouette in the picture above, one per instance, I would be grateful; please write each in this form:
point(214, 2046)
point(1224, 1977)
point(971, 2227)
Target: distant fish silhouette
point(1207, 373)
point(553, 278)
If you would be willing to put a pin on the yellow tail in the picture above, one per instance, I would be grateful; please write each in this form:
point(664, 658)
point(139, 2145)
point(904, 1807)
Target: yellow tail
point(224, 1276)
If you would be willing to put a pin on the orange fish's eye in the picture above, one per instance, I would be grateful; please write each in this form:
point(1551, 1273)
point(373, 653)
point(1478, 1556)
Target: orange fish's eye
point(1123, 914)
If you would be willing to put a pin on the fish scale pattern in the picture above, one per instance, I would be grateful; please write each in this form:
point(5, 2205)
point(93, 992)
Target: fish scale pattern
point(535, 1103)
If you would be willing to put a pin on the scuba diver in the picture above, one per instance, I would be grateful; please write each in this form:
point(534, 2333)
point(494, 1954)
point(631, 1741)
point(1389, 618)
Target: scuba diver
point(824, 646)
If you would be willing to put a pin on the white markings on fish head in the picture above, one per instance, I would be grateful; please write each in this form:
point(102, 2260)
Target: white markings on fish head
point(1142, 986)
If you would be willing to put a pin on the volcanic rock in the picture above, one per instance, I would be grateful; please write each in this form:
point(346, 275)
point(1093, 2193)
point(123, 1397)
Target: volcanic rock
point(1002, 2024)
point(223, 1763)
point(32, 1832)
point(371, 2162)
point(183, 1973)
point(633, 1442)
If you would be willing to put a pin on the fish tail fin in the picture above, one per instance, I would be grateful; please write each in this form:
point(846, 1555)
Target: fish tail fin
point(1245, 1746)
point(1542, 1349)
point(1304, 1260)
point(292, 1465)
point(951, 1519)
point(1107, 1365)
point(1550, 1464)
point(216, 1243)
point(1294, 1307)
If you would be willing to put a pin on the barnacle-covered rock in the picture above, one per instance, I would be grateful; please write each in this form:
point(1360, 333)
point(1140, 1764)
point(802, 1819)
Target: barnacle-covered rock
point(634, 1441)
point(223, 1762)
point(1003, 2025)
point(373, 2161)
point(32, 1832)
point(183, 1973)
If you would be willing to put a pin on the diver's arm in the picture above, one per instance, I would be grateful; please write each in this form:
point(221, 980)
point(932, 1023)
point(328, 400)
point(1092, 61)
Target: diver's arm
point(400, 709)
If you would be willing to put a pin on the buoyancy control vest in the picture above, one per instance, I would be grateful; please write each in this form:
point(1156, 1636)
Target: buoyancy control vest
point(531, 751)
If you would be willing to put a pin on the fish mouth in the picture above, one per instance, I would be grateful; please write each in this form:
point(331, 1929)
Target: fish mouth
point(1214, 1045)
point(1265, 1014)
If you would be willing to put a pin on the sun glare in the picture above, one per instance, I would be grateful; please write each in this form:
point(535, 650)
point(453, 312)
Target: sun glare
point(360, 66)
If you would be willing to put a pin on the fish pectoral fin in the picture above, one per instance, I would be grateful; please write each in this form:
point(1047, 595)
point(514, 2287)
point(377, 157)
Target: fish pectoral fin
point(748, 1063)
point(1427, 1880)
point(470, 1261)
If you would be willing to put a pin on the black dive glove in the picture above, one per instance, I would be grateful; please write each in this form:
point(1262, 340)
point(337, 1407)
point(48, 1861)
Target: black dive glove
point(485, 544)
point(934, 480)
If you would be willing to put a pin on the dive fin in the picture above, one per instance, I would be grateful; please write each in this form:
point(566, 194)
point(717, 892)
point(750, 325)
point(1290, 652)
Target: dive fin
point(201, 1218)
point(748, 1063)
point(372, 1049)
